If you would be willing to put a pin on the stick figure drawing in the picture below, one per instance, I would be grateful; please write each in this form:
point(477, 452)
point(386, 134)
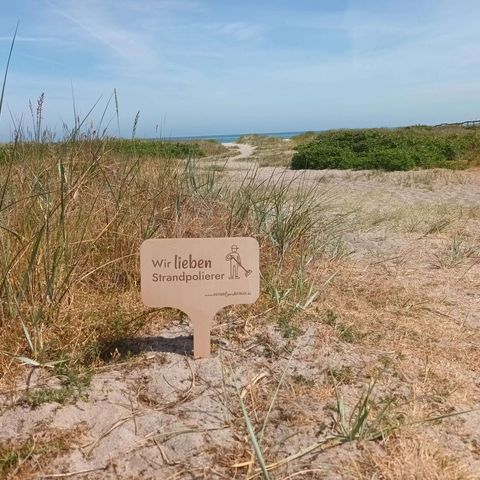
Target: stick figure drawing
point(235, 261)
point(234, 258)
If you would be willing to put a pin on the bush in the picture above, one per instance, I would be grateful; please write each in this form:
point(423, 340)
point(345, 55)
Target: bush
point(390, 160)
point(316, 155)
point(396, 149)
point(156, 148)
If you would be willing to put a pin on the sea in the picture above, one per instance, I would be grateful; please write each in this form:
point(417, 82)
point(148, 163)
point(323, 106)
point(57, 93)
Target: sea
point(235, 136)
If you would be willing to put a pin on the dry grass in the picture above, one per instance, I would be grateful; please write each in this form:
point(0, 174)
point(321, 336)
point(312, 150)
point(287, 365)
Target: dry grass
point(212, 149)
point(73, 221)
point(270, 151)
point(327, 324)
point(22, 459)
point(406, 457)
point(371, 326)
point(72, 226)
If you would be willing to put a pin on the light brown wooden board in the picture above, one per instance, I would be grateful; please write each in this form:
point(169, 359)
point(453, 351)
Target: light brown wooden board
point(200, 276)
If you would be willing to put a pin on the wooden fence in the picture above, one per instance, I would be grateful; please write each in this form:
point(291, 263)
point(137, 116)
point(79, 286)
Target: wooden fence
point(468, 123)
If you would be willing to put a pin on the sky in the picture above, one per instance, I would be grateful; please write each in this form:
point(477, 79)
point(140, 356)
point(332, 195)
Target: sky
point(204, 67)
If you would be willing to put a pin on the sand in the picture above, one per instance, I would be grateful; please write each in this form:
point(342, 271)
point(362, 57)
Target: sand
point(163, 415)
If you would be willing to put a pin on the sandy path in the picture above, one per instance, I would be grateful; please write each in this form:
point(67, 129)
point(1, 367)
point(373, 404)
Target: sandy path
point(380, 189)
point(244, 150)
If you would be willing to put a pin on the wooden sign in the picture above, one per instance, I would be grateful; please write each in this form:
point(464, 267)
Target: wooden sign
point(199, 276)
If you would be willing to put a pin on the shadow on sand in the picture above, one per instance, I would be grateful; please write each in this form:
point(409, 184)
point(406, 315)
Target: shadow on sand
point(126, 347)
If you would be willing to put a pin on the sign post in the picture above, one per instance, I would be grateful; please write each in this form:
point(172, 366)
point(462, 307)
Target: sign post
point(199, 276)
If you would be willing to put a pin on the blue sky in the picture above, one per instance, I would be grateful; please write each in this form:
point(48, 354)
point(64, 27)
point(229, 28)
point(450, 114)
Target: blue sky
point(196, 67)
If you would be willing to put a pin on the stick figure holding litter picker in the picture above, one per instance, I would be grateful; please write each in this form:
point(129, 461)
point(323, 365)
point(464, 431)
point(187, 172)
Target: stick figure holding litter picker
point(235, 261)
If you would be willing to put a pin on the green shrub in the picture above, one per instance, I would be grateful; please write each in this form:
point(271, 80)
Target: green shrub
point(389, 159)
point(126, 147)
point(155, 148)
point(396, 149)
point(317, 155)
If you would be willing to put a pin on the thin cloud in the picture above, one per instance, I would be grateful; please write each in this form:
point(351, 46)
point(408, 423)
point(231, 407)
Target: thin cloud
point(94, 21)
point(165, 6)
point(29, 39)
point(242, 31)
